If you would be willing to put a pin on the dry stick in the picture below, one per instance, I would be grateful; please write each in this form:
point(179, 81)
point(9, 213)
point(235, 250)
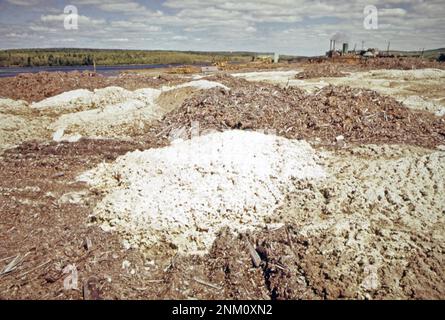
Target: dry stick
point(149, 281)
point(289, 239)
point(172, 263)
point(7, 258)
point(88, 243)
point(254, 255)
point(164, 130)
point(211, 285)
point(35, 268)
point(279, 266)
point(10, 267)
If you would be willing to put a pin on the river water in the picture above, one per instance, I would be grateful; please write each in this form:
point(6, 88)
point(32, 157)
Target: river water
point(105, 70)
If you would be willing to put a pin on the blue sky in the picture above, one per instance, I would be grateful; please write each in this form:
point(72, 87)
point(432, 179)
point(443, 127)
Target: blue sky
point(302, 27)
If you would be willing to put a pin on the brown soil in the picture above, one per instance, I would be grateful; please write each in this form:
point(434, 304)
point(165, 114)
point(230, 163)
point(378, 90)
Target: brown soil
point(331, 68)
point(33, 87)
point(52, 234)
point(321, 70)
point(38, 86)
point(400, 63)
point(41, 220)
point(361, 116)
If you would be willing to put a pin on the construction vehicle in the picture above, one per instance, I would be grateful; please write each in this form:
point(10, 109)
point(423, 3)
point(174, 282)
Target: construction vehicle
point(266, 59)
point(221, 64)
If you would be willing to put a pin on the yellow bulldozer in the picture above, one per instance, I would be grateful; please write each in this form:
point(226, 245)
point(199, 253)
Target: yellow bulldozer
point(264, 59)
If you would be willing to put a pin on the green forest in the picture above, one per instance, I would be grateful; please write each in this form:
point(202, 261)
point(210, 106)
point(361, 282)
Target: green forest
point(80, 57)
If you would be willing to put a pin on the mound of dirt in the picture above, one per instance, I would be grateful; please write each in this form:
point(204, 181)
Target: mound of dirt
point(114, 111)
point(34, 87)
point(418, 89)
point(182, 195)
point(320, 70)
point(82, 99)
point(115, 120)
point(361, 116)
point(332, 70)
point(372, 228)
point(279, 76)
point(399, 63)
point(20, 123)
point(109, 112)
point(16, 129)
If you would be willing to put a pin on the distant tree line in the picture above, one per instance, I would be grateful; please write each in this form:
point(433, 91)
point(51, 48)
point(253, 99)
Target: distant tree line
point(82, 57)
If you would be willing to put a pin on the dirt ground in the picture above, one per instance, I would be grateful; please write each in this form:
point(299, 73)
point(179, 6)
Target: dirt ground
point(20, 121)
point(418, 89)
point(44, 220)
point(361, 116)
point(33, 87)
point(38, 86)
point(373, 229)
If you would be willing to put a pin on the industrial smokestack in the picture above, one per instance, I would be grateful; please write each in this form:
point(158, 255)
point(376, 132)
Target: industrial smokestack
point(339, 37)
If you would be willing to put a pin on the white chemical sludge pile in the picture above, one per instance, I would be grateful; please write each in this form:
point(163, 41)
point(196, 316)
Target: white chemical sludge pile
point(180, 196)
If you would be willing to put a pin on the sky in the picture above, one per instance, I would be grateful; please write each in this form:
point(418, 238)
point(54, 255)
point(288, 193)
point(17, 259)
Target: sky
point(297, 27)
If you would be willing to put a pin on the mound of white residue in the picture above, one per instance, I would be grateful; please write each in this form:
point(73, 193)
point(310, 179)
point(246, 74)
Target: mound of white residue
point(10, 105)
point(100, 98)
point(109, 112)
point(270, 76)
point(417, 74)
point(180, 196)
point(139, 106)
point(420, 103)
point(67, 99)
point(84, 99)
point(199, 84)
point(18, 123)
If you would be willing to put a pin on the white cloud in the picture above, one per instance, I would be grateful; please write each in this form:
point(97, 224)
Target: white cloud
point(122, 7)
point(17, 35)
point(135, 25)
point(392, 12)
point(39, 28)
point(117, 40)
point(25, 3)
point(290, 26)
point(180, 38)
